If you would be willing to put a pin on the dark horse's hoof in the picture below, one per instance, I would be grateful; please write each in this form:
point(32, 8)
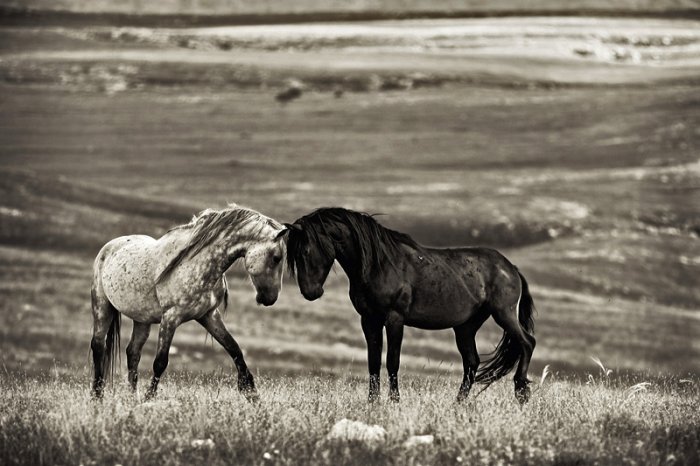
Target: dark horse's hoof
point(522, 391)
point(246, 386)
point(150, 395)
point(251, 396)
point(394, 397)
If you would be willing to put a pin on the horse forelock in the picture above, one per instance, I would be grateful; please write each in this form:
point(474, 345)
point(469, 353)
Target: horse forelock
point(210, 224)
point(316, 234)
point(375, 243)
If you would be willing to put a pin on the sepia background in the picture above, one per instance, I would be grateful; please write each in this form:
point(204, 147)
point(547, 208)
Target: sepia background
point(569, 143)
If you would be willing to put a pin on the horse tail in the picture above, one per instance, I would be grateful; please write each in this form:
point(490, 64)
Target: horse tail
point(509, 349)
point(113, 349)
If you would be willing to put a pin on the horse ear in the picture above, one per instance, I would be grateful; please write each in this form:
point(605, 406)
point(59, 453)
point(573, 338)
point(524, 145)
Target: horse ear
point(283, 232)
point(294, 226)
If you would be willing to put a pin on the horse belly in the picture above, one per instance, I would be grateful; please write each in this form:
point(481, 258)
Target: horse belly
point(432, 310)
point(128, 280)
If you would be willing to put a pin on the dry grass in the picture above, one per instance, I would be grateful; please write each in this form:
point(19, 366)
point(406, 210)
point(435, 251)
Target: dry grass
point(54, 421)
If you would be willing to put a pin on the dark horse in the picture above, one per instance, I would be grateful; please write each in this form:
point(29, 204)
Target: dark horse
point(395, 281)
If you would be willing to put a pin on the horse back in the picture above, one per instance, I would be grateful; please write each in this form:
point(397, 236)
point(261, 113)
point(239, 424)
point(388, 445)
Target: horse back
point(450, 285)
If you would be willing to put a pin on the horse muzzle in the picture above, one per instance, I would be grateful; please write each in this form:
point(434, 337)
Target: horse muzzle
point(312, 295)
point(265, 300)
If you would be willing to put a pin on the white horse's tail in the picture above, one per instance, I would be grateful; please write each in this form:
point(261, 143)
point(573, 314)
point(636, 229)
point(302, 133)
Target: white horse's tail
point(113, 338)
point(113, 342)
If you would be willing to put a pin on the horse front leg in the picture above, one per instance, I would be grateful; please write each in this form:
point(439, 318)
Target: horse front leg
point(217, 329)
point(169, 322)
point(372, 328)
point(394, 336)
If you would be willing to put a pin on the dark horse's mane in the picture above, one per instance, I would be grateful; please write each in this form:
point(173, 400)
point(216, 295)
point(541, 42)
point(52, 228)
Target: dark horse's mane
point(376, 244)
point(208, 225)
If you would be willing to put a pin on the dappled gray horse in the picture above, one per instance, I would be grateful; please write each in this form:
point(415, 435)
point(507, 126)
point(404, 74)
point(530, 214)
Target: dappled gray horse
point(177, 278)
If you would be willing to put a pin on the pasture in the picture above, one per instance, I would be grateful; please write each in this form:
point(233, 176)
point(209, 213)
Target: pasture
point(574, 153)
point(197, 419)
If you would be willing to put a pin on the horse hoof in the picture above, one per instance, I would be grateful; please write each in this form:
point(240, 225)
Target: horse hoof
point(373, 398)
point(522, 391)
point(394, 397)
point(523, 396)
point(251, 396)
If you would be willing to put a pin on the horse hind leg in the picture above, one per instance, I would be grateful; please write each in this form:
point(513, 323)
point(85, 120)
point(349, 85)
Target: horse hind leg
point(520, 340)
point(139, 335)
point(465, 337)
point(105, 333)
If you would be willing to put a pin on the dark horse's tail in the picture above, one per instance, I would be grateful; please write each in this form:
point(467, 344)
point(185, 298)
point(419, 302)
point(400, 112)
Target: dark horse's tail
point(508, 351)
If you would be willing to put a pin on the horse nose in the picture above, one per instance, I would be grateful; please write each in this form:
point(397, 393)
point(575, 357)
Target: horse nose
point(265, 299)
point(312, 295)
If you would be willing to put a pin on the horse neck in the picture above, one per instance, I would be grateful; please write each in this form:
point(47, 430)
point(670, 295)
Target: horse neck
point(227, 249)
point(347, 254)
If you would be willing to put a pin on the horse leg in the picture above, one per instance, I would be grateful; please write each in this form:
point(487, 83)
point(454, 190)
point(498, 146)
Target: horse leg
point(394, 337)
point(217, 329)
point(102, 316)
point(139, 335)
point(169, 322)
point(372, 328)
point(508, 320)
point(465, 336)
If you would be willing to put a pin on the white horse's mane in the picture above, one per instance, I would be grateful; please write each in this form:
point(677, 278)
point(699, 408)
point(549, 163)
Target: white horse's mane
point(209, 224)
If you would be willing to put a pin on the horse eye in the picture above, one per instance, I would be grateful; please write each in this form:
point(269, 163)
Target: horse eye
point(276, 259)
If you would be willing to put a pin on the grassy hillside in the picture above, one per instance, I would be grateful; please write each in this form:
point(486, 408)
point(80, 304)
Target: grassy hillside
point(587, 186)
point(571, 144)
point(610, 236)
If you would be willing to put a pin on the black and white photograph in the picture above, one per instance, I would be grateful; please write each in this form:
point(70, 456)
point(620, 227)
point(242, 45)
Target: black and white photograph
point(349, 232)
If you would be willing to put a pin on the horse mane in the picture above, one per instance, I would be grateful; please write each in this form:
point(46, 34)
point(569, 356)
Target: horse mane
point(375, 243)
point(209, 224)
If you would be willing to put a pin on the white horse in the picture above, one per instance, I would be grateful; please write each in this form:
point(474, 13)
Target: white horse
point(177, 278)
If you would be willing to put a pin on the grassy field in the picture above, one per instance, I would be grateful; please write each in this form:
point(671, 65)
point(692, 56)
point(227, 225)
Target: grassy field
point(570, 144)
point(204, 420)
